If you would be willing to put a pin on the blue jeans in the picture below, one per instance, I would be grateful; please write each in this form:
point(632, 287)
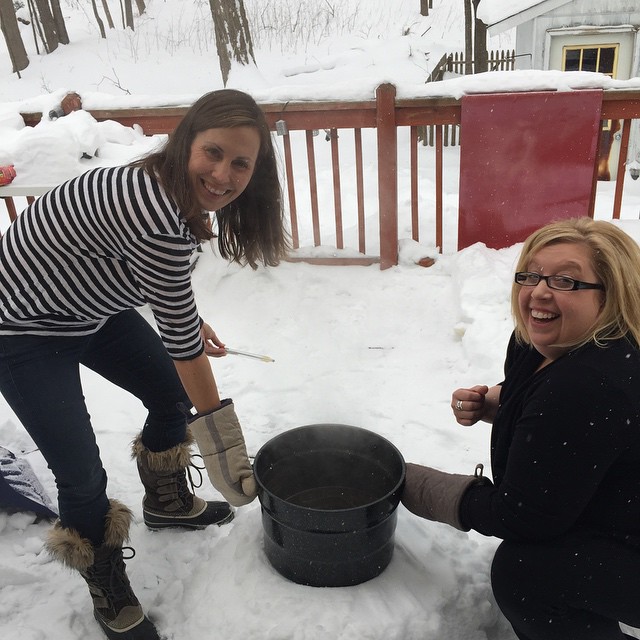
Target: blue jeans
point(40, 379)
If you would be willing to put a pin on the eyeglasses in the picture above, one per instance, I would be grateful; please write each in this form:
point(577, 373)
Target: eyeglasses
point(561, 283)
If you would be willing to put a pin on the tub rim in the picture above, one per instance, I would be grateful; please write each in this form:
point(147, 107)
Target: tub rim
point(273, 496)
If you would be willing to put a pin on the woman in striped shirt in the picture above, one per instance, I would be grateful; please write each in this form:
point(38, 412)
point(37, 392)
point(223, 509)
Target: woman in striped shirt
point(73, 268)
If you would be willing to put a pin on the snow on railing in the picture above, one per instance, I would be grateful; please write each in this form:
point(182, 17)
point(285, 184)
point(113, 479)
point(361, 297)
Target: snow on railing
point(358, 177)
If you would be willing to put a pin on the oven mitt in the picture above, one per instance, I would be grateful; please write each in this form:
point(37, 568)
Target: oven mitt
point(219, 438)
point(436, 495)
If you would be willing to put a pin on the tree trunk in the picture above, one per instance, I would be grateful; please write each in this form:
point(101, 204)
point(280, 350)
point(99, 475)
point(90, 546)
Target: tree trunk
point(103, 33)
point(128, 15)
point(107, 13)
point(424, 7)
point(58, 18)
point(11, 33)
point(141, 7)
point(49, 30)
point(468, 38)
point(36, 27)
point(481, 56)
point(233, 40)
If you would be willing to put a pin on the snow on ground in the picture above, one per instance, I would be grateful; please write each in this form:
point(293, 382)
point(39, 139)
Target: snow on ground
point(377, 349)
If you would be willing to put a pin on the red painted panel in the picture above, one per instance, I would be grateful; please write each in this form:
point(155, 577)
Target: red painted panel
point(525, 159)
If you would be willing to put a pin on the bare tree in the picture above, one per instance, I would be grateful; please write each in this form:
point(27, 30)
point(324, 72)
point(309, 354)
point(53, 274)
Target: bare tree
point(480, 53)
point(233, 40)
point(44, 17)
point(96, 15)
point(475, 40)
point(128, 15)
point(11, 33)
point(58, 19)
point(107, 13)
point(468, 38)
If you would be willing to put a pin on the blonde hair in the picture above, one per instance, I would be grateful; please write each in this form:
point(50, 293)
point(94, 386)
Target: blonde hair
point(615, 258)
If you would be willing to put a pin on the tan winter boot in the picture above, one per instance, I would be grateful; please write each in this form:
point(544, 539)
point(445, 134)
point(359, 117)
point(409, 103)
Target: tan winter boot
point(168, 502)
point(115, 606)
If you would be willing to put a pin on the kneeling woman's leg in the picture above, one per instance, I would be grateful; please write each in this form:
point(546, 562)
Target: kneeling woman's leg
point(578, 587)
point(40, 379)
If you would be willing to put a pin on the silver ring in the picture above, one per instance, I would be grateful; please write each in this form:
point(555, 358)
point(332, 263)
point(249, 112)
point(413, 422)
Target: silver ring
point(459, 405)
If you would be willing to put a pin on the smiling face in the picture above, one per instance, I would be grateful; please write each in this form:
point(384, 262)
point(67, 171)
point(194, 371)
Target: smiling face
point(557, 320)
point(221, 163)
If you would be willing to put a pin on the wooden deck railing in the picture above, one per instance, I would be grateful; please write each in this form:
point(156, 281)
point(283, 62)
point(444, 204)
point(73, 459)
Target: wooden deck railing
point(343, 124)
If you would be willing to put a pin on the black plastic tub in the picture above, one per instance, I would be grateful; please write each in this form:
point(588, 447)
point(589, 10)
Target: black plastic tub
point(328, 494)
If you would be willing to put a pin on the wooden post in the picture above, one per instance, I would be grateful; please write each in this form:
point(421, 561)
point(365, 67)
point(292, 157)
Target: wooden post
point(439, 187)
point(387, 174)
point(313, 188)
point(594, 180)
point(337, 196)
point(360, 190)
point(413, 167)
point(291, 190)
point(11, 208)
point(622, 165)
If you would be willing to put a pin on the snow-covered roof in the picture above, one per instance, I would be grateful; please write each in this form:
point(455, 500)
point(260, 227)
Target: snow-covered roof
point(502, 15)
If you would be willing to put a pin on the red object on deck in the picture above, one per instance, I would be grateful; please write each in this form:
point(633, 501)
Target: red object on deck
point(526, 159)
point(7, 174)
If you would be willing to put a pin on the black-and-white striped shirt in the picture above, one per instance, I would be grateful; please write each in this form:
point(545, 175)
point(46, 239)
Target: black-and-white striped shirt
point(108, 240)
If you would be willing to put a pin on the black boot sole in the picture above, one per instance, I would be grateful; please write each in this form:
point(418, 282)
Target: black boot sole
point(157, 522)
point(145, 630)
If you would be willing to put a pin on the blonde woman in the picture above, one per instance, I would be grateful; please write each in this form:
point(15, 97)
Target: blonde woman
point(565, 441)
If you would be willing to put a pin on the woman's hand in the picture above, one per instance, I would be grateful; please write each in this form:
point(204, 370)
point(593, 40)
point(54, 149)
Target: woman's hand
point(212, 345)
point(476, 403)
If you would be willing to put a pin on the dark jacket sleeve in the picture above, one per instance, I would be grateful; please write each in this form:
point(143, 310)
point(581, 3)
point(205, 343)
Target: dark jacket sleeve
point(572, 426)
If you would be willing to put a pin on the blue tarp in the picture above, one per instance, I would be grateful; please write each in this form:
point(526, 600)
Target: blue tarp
point(20, 489)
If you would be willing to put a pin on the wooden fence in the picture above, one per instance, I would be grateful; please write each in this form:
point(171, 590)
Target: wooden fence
point(310, 183)
point(499, 60)
point(456, 63)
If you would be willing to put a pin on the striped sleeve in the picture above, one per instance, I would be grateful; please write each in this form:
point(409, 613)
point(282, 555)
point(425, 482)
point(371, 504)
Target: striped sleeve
point(104, 242)
point(161, 267)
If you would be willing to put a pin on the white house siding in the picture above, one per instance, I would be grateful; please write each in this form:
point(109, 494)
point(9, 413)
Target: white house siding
point(539, 41)
point(501, 15)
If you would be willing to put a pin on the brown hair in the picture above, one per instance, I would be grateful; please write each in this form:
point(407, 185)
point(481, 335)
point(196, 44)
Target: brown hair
point(251, 228)
point(615, 257)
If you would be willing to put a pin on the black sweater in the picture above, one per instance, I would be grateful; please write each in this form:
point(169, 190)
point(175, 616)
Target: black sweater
point(565, 447)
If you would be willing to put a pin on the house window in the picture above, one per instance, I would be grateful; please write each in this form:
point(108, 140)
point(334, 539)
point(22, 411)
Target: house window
point(599, 58)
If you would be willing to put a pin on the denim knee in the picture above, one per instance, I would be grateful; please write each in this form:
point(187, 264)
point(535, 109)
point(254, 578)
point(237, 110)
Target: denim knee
point(83, 506)
point(166, 430)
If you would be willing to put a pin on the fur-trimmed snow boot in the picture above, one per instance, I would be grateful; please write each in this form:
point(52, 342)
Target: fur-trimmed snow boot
point(168, 501)
point(115, 606)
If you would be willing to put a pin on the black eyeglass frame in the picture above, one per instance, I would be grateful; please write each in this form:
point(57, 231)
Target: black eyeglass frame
point(577, 284)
